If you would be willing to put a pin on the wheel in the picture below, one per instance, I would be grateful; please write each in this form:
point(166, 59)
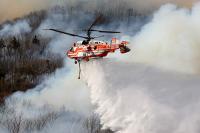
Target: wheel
point(75, 62)
point(87, 59)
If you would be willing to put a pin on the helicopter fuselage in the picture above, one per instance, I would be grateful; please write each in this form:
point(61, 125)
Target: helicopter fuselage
point(96, 49)
point(89, 48)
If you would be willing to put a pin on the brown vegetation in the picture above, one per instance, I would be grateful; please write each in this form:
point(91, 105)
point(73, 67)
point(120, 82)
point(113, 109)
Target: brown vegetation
point(23, 61)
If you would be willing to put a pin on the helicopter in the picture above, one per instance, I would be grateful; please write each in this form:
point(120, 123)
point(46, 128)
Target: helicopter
point(92, 49)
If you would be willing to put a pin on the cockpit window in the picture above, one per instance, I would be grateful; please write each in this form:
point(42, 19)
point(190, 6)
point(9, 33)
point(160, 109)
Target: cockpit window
point(71, 49)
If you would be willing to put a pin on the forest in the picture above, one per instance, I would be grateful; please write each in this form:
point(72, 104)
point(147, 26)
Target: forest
point(24, 59)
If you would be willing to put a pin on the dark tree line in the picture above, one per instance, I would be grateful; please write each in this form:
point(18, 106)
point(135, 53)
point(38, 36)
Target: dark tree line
point(15, 122)
point(23, 61)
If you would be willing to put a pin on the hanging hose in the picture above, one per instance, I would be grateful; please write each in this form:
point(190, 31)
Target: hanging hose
point(79, 65)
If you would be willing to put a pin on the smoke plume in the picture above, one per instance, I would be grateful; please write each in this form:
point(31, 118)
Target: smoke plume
point(133, 98)
point(157, 90)
point(20, 27)
point(10, 9)
point(170, 40)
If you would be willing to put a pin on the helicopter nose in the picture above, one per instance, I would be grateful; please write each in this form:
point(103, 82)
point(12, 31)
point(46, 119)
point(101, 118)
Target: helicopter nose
point(69, 54)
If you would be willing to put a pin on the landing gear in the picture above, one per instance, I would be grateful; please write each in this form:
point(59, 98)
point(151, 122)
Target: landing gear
point(87, 59)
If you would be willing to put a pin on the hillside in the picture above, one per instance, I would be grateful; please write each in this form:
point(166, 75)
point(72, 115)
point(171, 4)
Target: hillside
point(30, 56)
point(24, 55)
point(24, 60)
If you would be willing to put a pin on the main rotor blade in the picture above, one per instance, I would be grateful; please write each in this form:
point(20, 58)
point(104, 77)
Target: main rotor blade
point(95, 22)
point(105, 31)
point(66, 33)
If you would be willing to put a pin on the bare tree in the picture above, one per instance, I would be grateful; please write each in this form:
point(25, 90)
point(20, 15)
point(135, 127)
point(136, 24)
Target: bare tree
point(11, 120)
point(17, 123)
point(93, 125)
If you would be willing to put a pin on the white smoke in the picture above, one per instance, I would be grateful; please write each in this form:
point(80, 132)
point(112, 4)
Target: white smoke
point(137, 98)
point(157, 90)
point(18, 28)
point(60, 93)
point(170, 40)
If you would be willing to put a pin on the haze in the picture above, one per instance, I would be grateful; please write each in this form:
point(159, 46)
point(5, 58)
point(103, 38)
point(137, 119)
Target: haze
point(10, 9)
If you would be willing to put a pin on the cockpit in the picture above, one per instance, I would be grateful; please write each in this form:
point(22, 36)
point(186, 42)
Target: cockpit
point(71, 49)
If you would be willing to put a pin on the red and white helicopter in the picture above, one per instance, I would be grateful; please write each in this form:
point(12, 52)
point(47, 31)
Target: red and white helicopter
point(90, 48)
